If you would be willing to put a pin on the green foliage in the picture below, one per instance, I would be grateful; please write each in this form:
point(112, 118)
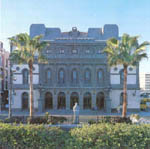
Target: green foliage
point(111, 120)
point(105, 135)
point(30, 136)
point(46, 119)
point(96, 136)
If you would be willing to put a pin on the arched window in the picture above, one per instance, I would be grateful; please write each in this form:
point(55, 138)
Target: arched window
point(25, 76)
point(87, 76)
point(61, 76)
point(121, 76)
point(121, 99)
point(100, 76)
point(25, 101)
point(74, 76)
point(48, 75)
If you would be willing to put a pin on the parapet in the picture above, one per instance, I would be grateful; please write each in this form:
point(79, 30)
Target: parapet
point(108, 31)
point(37, 29)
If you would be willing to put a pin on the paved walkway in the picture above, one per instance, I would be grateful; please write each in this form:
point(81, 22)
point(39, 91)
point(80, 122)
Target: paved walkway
point(70, 112)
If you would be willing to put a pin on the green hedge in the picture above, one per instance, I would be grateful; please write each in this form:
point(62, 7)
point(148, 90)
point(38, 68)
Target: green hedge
point(31, 136)
point(96, 136)
point(109, 136)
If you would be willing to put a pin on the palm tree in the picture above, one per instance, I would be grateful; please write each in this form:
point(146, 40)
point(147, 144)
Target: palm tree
point(26, 49)
point(127, 52)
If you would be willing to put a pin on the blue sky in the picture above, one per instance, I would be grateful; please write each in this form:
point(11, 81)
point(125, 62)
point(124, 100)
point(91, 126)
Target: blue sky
point(132, 17)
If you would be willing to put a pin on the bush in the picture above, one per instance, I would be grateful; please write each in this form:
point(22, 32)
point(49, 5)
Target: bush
point(106, 136)
point(31, 136)
point(16, 119)
point(47, 119)
point(37, 120)
point(114, 119)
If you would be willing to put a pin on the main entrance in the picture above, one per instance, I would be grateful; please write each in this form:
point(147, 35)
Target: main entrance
point(25, 101)
point(61, 101)
point(87, 101)
point(100, 101)
point(48, 101)
point(73, 99)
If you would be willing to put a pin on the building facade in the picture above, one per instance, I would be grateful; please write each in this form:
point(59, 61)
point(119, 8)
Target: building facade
point(145, 82)
point(4, 73)
point(77, 71)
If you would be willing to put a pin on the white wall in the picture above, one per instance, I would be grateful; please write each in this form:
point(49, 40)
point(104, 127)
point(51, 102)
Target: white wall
point(17, 103)
point(115, 75)
point(133, 101)
point(18, 76)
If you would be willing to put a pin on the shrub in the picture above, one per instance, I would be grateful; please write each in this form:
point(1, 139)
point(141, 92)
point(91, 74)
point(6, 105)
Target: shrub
point(16, 119)
point(31, 136)
point(114, 119)
point(108, 136)
point(37, 120)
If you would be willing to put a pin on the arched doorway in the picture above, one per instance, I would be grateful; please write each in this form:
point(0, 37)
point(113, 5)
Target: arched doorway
point(61, 101)
point(87, 101)
point(48, 101)
point(100, 101)
point(73, 99)
point(25, 101)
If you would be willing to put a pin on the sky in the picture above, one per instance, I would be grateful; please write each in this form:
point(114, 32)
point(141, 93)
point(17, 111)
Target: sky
point(131, 16)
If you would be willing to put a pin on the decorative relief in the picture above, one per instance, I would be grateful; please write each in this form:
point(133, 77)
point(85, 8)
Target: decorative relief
point(130, 69)
point(115, 69)
point(17, 68)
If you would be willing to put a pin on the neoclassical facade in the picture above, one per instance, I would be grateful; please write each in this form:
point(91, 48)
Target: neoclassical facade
point(77, 71)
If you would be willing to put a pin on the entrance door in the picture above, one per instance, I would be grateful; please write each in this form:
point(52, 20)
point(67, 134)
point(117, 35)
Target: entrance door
point(87, 101)
point(73, 99)
point(61, 101)
point(100, 101)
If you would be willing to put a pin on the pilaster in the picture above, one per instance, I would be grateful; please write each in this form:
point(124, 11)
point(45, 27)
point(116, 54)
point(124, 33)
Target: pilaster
point(55, 101)
point(94, 101)
point(68, 101)
point(81, 101)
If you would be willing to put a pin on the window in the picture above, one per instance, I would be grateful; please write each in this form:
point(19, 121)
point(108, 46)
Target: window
point(25, 101)
point(25, 76)
point(62, 51)
point(100, 75)
point(87, 75)
point(74, 51)
point(121, 99)
point(74, 76)
point(48, 75)
point(121, 76)
point(61, 76)
point(87, 51)
point(99, 52)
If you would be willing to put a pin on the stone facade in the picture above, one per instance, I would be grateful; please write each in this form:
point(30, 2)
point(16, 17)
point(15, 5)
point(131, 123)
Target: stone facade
point(77, 71)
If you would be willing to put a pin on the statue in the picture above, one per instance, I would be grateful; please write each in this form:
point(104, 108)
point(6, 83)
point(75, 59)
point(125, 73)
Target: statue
point(76, 113)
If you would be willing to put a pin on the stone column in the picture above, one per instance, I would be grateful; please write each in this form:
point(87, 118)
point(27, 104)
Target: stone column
point(81, 101)
point(67, 100)
point(55, 101)
point(107, 103)
point(94, 101)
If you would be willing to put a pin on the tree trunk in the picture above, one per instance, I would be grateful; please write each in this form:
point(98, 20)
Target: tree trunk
point(124, 110)
point(31, 89)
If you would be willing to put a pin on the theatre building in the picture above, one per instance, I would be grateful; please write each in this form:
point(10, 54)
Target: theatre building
point(77, 71)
